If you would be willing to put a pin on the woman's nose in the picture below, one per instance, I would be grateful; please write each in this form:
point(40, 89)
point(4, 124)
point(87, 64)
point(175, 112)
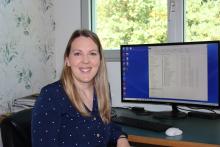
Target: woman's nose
point(85, 59)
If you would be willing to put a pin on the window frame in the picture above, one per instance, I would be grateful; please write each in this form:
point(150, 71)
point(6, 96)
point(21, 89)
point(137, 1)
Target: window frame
point(175, 30)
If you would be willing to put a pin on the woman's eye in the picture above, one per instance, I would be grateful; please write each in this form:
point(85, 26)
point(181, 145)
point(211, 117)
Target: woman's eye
point(76, 54)
point(93, 53)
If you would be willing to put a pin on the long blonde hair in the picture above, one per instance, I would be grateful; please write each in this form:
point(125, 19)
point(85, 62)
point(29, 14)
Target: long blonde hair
point(101, 85)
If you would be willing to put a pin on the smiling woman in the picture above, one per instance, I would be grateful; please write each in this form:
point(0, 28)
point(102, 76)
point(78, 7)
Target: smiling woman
point(76, 109)
point(84, 59)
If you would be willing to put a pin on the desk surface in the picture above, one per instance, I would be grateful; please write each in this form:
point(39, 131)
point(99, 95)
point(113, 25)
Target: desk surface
point(196, 131)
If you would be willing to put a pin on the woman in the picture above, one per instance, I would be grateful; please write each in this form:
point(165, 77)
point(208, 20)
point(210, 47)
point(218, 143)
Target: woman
point(76, 111)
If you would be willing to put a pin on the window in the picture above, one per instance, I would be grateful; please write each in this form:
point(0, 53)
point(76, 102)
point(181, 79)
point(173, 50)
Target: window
point(130, 22)
point(202, 20)
point(151, 21)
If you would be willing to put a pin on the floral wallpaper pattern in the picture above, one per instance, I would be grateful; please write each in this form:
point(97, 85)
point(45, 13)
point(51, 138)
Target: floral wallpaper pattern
point(27, 48)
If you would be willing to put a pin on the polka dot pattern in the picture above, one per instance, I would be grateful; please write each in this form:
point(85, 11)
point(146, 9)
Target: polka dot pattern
point(55, 122)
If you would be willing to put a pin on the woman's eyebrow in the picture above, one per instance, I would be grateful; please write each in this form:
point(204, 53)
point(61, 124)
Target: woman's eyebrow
point(93, 50)
point(80, 50)
point(76, 50)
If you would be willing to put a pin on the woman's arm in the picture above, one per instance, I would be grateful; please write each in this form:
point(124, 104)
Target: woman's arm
point(118, 136)
point(45, 120)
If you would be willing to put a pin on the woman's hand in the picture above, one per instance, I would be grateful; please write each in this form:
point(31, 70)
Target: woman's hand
point(123, 141)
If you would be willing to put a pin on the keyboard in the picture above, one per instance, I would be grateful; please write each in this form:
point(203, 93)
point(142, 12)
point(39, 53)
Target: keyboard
point(142, 124)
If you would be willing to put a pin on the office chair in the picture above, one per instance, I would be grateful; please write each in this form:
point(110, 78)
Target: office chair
point(16, 129)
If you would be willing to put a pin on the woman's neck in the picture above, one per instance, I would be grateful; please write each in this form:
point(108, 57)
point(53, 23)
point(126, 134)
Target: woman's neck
point(86, 91)
point(83, 85)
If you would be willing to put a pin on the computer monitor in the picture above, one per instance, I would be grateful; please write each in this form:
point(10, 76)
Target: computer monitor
point(178, 74)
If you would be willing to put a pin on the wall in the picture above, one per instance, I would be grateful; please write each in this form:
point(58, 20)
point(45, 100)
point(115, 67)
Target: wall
point(27, 48)
point(33, 37)
point(68, 19)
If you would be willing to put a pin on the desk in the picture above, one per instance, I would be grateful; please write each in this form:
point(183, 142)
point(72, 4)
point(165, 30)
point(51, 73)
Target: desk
point(197, 132)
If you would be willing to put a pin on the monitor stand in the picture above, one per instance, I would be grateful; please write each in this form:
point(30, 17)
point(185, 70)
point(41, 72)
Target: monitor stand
point(140, 111)
point(173, 114)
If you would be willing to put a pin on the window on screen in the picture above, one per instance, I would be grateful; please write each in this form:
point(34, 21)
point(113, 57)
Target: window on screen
point(179, 73)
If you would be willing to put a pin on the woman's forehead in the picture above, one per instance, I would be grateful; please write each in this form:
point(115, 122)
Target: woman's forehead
point(83, 41)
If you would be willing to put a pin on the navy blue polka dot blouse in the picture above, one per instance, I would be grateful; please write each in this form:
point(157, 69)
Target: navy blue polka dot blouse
point(56, 123)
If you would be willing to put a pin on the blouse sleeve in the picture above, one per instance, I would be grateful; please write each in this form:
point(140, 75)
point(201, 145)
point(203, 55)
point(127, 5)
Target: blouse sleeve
point(116, 131)
point(45, 120)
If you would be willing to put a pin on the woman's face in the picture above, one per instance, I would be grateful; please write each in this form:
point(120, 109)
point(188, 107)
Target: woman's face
point(84, 59)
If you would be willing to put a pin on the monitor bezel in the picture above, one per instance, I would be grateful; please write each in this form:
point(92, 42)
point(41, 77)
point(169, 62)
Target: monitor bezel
point(171, 103)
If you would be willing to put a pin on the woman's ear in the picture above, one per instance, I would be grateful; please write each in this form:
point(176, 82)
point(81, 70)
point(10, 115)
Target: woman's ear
point(67, 63)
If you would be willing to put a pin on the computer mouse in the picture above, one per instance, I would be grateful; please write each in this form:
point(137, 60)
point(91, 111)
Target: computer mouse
point(173, 131)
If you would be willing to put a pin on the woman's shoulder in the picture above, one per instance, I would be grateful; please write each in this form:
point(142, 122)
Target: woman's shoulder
point(53, 86)
point(50, 96)
point(52, 91)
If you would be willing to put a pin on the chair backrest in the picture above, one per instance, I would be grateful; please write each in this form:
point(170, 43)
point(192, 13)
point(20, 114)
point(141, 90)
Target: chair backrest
point(16, 129)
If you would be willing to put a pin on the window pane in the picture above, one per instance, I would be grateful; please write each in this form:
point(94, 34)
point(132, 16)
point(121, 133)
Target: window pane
point(202, 20)
point(130, 22)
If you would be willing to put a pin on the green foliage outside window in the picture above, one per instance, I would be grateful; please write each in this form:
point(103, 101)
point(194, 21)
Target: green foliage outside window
point(146, 21)
point(202, 20)
point(131, 21)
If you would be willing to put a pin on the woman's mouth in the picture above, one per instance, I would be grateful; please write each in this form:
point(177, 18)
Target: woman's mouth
point(85, 69)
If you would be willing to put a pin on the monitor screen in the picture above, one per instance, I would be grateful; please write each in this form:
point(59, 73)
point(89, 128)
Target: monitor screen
point(172, 73)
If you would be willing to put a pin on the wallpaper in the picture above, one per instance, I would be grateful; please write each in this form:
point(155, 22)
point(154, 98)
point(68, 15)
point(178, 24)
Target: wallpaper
point(27, 52)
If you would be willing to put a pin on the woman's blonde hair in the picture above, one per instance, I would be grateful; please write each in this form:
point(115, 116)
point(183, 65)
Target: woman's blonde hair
point(101, 84)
